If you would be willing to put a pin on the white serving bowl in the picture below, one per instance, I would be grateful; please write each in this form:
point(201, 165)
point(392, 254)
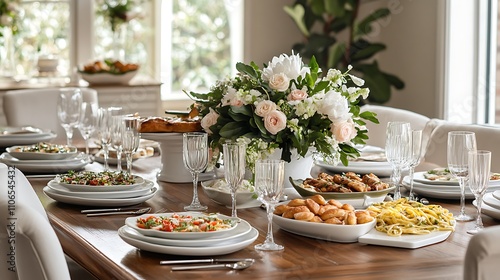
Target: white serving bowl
point(107, 78)
point(216, 190)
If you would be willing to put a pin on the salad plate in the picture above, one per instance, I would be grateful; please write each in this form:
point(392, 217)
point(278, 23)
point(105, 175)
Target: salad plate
point(11, 136)
point(381, 169)
point(107, 202)
point(41, 166)
point(236, 244)
point(408, 241)
point(26, 152)
point(491, 201)
point(101, 188)
point(8, 158)
point(242, 228)
point(136, 192)
point(228, 221)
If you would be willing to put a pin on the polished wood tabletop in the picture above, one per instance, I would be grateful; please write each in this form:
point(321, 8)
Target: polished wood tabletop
point(94, 243)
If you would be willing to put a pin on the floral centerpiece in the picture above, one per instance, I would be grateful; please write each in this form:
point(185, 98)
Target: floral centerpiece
point(286, 105)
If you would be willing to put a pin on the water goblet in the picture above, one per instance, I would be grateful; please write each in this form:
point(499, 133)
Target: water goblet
point(479, 177)
point(269, 179)
point(104, 131)
point(460, 143)
point(397, 150)
point(234, 169)
point(130, 139)
point(415, 157)
point(117, 127)
point(69, 105)
point(88, 122)
point(195, 157)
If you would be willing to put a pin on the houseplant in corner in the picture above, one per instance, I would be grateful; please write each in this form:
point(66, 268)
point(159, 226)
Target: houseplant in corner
point(286, 106)
point(334, 34)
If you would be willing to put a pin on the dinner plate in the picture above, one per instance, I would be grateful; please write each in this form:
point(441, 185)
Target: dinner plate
point(132, 222)
point(40, 155)
point(442, 192)
point(7, 140)
point(488, 210)
point(8, 158)
point(112, 188)
point(381, 169)
point(136, 192)
point(244, 197)
point(409, 241)
point(111, 202)
point(329, 232)
point(241, 229)
point(419, 177)
point(489, 199)
point(234, 245)
point(496, 194)
point(61, 166)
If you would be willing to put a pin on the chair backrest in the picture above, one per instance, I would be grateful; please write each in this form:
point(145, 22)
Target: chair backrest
point(487, 138)
point(38, 107)
point(36, 253)
point(483, 255)
point(376, 132)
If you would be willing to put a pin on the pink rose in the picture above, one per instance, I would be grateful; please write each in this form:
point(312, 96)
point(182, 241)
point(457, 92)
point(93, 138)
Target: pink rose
point(264, 107)
point(208, 120)
point(343, 130)
point(275, 121)
point(297, 95)
point(279, 82)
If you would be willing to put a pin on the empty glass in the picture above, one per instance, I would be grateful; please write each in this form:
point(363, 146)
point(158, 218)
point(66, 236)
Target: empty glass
point(104, 131)
point(234, 169)
point(479, 177)
point(88, 122)
point(269, 179)
point(460, 143)
point(195, 157)
point(415, 157)
point(130, 139)
point(68, 110)
point(117, 127)
point(397, 150)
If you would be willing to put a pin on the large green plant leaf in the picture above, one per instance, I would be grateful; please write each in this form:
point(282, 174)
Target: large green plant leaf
point(297, 14)
point(364, 26)
point(335, 53)
point(375, 80)
point(367, 52)
point(335, 7)
point(395, 81)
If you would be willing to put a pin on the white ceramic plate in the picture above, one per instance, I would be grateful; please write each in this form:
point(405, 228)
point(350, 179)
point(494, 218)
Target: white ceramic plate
point(217, 249)
point(39, 155)
point(132, 222)
point(488, 210)
point(329, 232)
point(420, 177)
point(491, 201)
point(243, 197)
point(112, 188)
point(7, 158)
point(31, 166)
point(381, 169)
point(496, 194)
point(241, 229)
point(443, 192)
point(26, 139)
point(409, 241)
point(107, 202)
point(136, 192)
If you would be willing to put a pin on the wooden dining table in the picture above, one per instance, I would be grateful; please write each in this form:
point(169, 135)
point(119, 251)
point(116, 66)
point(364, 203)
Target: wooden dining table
point(94, 243)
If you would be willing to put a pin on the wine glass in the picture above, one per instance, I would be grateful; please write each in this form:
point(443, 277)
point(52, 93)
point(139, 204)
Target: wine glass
point(459, 145)
point(88, 122)
point(269, 179)
point(415, 157)
point(117, 127)
point(69, 105)
point(195, 157)
point(479, 177)
point(397, 150)
point(130, 139)
point(234, 169)
point(104, 131)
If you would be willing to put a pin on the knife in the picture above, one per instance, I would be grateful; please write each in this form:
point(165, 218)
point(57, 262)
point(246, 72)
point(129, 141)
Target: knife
point(108, 210)
point(205, 261)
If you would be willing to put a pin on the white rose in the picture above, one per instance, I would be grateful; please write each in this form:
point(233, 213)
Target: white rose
point(208, 120)
point(335, 106)
point(291, 66)
point(275, 121)
point(343, 130)
point(264, 107)
point(279, 82)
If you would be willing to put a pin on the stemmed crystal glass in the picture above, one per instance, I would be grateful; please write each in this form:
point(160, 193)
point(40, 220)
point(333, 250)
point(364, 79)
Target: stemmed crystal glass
point(104, 131)
point(130, 139)
point(195, 157)
point(88, 122)
point(415, 157)
point(269, 179)
point(234, 169)
point(69, 105)
point(479, 177)
point(397, 150)
point(117, 127)
point(460, 143)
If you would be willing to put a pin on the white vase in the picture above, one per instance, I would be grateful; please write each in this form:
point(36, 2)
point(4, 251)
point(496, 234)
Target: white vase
point(297, 168)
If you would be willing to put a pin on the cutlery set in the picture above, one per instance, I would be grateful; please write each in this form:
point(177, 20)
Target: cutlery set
point(116, 211)
point(236, 264)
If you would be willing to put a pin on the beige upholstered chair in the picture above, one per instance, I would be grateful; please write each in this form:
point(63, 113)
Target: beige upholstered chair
point(483, 255)
point(38, 107)
point(385, 114)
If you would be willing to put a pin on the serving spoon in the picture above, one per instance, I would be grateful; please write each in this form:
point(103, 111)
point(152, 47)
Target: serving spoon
point(237, 265)
point(138, 212)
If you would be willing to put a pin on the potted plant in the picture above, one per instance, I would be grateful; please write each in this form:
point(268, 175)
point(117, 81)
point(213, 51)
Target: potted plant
point(336, 36)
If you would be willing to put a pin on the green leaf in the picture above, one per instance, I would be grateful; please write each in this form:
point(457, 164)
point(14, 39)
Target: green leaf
point(394, 81)
point(260, 124)
point(335, 7)
point(367, 51)
point(297, 14)
point(380, 88)
point(371, 116)
point(243, 110)
point(233, 130)
point(247, 69)
point(335, 54)
point(364, 26)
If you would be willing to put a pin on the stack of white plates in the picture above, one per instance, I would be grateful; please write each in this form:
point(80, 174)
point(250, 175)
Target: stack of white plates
point(442, 189)
point(491, 204)
point(10, 136)
point(39, 162)
point(188, 243)
point(114, 195)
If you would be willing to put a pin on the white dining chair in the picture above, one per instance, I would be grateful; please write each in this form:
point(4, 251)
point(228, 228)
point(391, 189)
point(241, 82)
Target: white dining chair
point(38, 108)
point(36, 252)
point(385, 114)
point(483, 255)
